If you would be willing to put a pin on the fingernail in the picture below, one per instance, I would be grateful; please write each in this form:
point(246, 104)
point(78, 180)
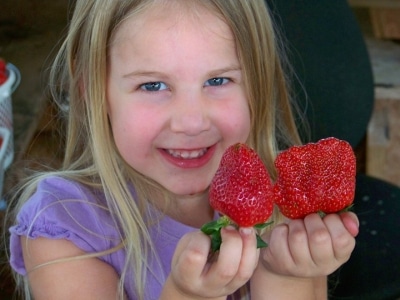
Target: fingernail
point(230, 228)
point(246, 230)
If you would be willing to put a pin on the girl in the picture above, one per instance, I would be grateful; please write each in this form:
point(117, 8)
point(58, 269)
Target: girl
point(157, 90)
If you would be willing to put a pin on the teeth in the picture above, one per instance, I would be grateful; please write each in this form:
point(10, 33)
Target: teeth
point(185, 154)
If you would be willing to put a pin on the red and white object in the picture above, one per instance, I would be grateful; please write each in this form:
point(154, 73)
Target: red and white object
point(9, 80)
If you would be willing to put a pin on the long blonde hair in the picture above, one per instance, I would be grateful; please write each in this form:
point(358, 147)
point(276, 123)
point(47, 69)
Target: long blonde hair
point(78, 80)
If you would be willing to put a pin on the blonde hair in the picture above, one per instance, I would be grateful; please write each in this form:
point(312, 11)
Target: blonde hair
point(78, 78)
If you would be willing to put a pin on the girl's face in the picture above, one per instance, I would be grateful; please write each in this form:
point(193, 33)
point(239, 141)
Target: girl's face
point(175, 93)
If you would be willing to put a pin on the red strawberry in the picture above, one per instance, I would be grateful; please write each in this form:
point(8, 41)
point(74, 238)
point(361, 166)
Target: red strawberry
point(317, 177)
point(241, 190)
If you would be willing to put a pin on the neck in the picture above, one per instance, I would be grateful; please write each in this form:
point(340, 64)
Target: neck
point(191, 210)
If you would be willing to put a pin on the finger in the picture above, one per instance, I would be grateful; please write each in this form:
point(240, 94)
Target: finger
point(351, 222)
point(190, 258)
point(298, 243)
point(244, 263)
point(319, 239)
point(342, 240)
point(221, 271)
point(250, 254)
point(277, 256)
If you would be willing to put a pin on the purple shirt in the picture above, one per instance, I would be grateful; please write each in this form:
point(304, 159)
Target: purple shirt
point(63, 209)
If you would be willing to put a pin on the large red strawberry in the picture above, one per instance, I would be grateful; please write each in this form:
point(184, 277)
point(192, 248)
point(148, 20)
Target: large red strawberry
point(317, 177)
point(241, 190)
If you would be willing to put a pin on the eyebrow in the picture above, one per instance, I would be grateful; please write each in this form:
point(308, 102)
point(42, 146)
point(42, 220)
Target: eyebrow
point(143, 74)
point(213, 73)
point(225, 70)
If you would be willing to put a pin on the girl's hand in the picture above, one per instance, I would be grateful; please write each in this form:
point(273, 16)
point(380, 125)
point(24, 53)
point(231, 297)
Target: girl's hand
point(312, 247)
point(194, 275)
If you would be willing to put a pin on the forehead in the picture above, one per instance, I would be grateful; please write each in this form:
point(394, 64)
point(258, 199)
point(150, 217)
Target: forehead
point(167, 15)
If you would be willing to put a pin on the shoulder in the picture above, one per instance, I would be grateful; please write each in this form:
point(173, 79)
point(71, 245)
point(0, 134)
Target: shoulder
point(66, 266)
point(60, 201)
point(53, 188)
point(64, 209)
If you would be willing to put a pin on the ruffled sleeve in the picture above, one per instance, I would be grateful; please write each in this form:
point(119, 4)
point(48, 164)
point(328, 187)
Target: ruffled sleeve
point(63, 209)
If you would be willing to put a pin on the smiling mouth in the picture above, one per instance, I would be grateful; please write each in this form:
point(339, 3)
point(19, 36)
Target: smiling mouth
point(187, 154)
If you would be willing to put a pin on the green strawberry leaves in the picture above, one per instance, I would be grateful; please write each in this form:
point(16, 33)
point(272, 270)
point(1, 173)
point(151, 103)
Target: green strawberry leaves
point(260, 242)
point(213, 229)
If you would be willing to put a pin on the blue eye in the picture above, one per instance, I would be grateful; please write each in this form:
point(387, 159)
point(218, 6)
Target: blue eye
point(216, 81)
point(153, 86)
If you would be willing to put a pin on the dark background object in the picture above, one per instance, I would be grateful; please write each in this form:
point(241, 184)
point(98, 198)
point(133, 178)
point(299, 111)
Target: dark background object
point(334, 86)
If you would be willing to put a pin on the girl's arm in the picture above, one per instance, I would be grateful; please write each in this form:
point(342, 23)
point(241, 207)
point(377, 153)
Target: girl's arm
point(301, 254)
point(87, 278)
point(321, 287)
point(172, 291)
point(289, 287)
point(267, 286)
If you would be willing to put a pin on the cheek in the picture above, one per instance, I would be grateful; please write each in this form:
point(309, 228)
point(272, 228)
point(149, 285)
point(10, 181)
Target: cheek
point(236, 121)
point(132, 133)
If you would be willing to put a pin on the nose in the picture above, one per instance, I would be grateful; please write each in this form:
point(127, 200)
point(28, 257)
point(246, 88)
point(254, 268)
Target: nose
point(190, 113)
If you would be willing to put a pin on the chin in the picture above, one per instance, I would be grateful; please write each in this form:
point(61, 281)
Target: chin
point(185, 192)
